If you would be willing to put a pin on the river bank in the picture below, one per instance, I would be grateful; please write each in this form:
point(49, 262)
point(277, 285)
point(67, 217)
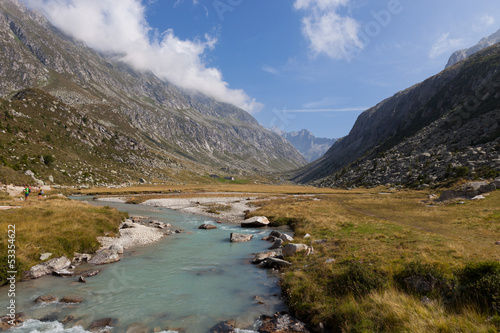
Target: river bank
point(230, 209)
point(192, 270)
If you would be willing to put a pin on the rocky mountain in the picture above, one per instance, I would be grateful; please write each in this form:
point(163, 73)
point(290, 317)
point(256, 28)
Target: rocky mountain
point(54, 85)
point(444, 128)
point(307, 144)
point(465, 53)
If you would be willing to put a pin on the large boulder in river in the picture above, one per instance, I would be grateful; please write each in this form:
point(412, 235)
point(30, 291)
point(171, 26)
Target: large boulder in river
point(48, 267)
point(255, 222)
point(240, 238)
point(207, 226)
point(291, 249)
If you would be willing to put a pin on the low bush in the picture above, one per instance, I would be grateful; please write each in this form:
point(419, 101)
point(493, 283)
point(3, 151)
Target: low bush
point(479, 283)
point(357, 279)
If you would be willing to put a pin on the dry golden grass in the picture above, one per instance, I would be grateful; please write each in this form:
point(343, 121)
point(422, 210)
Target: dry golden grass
point(59, 226)
point(385, 232)
point(211, 188)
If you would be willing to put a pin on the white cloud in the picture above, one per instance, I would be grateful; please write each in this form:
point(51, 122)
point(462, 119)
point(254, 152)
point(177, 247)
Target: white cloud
point(120, 26)
point(270, 69)
point(483, 23)
point(327, 31)
point(444, 45)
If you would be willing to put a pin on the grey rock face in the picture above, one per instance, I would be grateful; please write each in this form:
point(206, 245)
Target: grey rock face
point(158, 125)
point(48, 267)
point(422, 135)
point(465, 53)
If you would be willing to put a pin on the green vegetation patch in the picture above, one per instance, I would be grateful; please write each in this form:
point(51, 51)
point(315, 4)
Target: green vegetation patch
point(59, 226)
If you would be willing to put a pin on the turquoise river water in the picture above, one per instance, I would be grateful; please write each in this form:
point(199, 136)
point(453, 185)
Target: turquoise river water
point(186, 282)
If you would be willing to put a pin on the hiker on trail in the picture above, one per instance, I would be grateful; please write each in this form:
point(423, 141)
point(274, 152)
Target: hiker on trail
point(27, 192)
point(40, 194)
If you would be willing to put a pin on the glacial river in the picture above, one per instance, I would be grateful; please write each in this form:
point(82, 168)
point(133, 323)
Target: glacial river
point(186, 282)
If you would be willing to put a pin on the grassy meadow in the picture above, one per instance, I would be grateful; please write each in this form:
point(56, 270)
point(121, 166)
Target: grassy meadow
point(373, 249)
point(56, 225)
point(378, 240)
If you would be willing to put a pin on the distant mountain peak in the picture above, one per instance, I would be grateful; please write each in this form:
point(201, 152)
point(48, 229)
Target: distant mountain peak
point(465, 53)
point(307, 144)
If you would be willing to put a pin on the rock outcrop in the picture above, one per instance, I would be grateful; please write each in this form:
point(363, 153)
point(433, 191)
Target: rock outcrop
point(48, 267)
point(465, 53)
point(125, 124)
point(446, 127)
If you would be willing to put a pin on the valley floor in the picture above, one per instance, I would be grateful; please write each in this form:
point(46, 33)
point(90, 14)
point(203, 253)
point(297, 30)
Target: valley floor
point(385, 260)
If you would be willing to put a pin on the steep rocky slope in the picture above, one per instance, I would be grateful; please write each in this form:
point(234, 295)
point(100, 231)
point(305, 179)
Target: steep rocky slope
point(465, 53)
point(447, 126)
point(201, 134)
point(307, 144)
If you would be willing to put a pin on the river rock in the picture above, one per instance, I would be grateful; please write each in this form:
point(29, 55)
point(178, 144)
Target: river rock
point(99, 325)
point(282, 323)
point(90, 273)
point(277, 244)
point(239, 238)
point(137, 328)
point(269, 238)
point(53, 316)
point(18, 319)
point(496, 182)
point(276, 263)
point(80, 258)
point(291, 249)
point(48, 267)
point(117, 247)
point(71, 299)
point(207, 226)
point(67, 319)
point(46, 299)
point(105, 257)
point(128, 225)
point(275, 233)
point(255, 222)
point(63, 273)
point(224, 327)
point(286, 238)
point(260, 257)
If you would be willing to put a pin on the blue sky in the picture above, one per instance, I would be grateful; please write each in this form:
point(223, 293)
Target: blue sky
point(314, 64)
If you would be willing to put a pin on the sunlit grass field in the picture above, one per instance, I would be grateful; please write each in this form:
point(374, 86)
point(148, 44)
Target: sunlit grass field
point(371, 241)
point(56, 225)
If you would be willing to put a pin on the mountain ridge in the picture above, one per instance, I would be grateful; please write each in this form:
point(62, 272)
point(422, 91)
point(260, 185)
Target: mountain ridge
point(481, 45)
point(307, 144)
point(370, 154)
point(206, 135)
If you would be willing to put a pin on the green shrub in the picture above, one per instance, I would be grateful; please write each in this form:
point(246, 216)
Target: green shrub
point(479, 283)
point(357, 279)
point(422, 279)
point(289, 221)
